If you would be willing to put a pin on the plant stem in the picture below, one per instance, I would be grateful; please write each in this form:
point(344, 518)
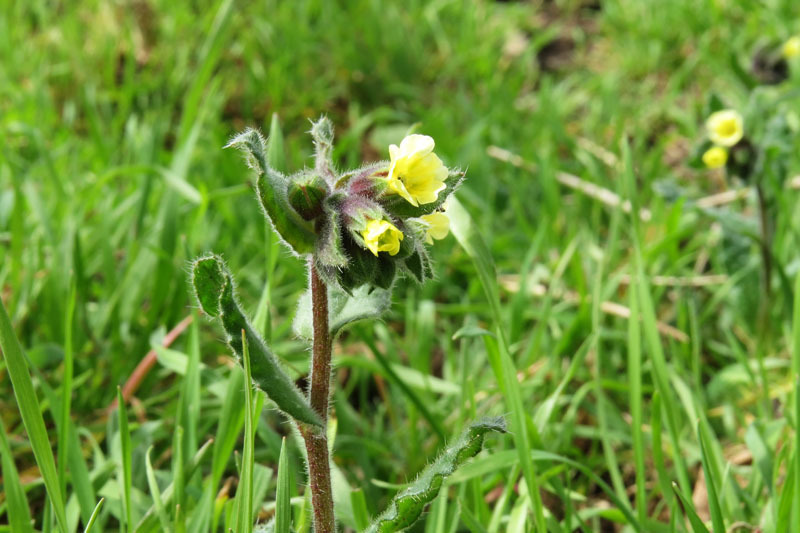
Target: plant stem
point(764, 336)
point(766, 245)
point(319, 469)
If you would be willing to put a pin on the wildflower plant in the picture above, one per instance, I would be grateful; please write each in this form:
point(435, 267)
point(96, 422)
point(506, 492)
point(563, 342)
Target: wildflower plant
point(752, 147)
point(357, 231)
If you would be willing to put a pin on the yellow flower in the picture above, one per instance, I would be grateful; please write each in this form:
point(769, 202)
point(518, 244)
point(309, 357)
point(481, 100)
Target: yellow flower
point(382, 236)
point(715, 157)
point(791, 48)
point(438, 226)
point(416, 173)
point(725, 128)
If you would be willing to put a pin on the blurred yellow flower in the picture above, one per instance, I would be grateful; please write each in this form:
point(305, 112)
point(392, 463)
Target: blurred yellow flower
point(725, 128)
point(416, 173)
point(715, 157)
point(438, 226)
point(382, 236)
point(791, 48)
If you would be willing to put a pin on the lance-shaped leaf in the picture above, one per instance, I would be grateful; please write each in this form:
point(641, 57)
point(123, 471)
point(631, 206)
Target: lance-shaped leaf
point(364, 303)
point(400, 207)
point(213, 286)
point(406, 507)
point(272, 188)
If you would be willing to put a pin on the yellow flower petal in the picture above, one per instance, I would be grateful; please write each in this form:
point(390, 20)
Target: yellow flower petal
point(438, 226)
point(715, 157)
point(416, 173)
point(725, 128)
point(791, 48)
point(382, 236)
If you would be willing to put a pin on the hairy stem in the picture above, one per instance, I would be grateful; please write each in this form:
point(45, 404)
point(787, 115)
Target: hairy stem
point(319, 469)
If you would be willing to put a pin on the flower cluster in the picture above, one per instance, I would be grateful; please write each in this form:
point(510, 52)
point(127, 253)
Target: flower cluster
point(725, 130)
point(361, 226)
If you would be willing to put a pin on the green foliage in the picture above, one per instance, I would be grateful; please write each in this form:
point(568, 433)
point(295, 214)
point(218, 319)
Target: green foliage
point(111, 172)
point(407, 506)
point(28, 404)
point(213, 286)
point(19, 515)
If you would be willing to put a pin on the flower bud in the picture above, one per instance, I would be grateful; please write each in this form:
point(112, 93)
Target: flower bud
point(306, 195)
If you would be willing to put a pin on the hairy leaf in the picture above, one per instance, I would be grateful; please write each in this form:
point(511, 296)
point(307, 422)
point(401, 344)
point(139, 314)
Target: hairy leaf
point(408, 504)
point(364, 303)
point(213, 285)
point(272, 187)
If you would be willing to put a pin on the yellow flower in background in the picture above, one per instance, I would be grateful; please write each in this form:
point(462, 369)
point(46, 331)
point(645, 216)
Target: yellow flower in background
point(416, 173)
point(382, 236)
point(791, 48)
point(725, 128)
point(715, 157)
point(438, 226)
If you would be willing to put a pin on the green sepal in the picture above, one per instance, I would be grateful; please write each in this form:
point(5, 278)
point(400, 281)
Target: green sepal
point(214, 288)
point(407, 506)
point(272, 187)
point(362, 303)
point(306, 194)
point(418, 265)
point(401, 208)
point(362, 265)
point(409, 243)
point(387, 271)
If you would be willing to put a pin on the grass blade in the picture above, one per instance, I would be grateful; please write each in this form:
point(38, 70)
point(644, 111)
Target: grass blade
point(467, 235)
point(155, 493)
point(283, 506)
point(179, 477)
point(360, 509)
point(717, 523)
point(66, 392)
point(796, 458)
point(19, 515)
point(31, 414)
point(148, 523)
point(125, 460)
point(93, 518)
point(697, 524)
point(469, 519)
point(635, 398)
point(244, 494)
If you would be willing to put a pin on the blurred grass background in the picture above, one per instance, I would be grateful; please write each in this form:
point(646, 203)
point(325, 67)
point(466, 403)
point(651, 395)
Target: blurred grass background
point(112, 177)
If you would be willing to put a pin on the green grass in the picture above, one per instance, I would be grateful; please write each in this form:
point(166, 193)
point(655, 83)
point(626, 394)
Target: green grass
point(112, 177)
